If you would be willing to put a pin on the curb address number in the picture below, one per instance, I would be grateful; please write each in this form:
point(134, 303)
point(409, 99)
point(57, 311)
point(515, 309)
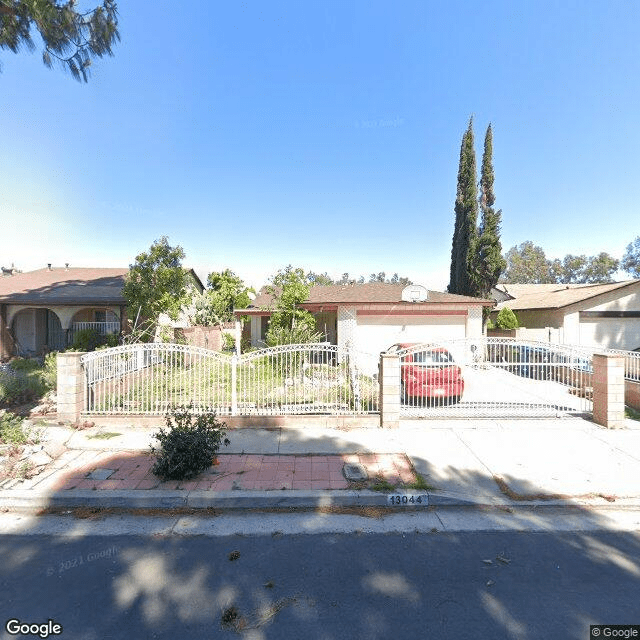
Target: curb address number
point(408, 500)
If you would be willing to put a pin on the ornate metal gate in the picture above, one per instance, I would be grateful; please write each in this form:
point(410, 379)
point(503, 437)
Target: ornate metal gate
point(494, 377)
point(290, 379)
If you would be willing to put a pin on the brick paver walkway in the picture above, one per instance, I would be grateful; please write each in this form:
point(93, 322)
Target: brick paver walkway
point(132, 470)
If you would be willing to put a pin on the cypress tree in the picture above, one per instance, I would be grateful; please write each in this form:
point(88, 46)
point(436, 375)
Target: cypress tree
point(466, 210)
point(487, 261)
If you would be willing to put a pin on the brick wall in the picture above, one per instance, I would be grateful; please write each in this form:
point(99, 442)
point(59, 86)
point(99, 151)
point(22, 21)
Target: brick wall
point(205, 337)
point(632, 394)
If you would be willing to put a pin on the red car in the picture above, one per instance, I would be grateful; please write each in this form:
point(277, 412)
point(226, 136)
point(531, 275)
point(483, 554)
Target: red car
point(429, 373)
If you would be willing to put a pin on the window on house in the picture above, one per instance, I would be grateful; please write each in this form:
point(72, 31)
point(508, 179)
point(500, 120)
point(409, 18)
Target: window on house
point(100, 316)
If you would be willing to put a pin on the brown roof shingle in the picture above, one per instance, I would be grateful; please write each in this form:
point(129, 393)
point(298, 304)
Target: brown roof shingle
point(64, 286)
point(554, 296)
point(372, 292)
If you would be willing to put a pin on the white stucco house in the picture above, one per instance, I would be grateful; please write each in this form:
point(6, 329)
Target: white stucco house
point(594, 315)
point(373, 316)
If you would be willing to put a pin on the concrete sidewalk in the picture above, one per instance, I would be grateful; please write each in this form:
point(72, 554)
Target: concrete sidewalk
point(502, 463)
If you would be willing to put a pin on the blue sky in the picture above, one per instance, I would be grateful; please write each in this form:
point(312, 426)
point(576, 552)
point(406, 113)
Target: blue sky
point(325, 135)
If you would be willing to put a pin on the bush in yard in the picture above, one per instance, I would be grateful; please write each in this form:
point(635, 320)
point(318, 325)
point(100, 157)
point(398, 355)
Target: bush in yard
point(11, 429)
point(50, 370)
point(86, 340)
point(22, 380)
point(507, 319)
point(188, 444)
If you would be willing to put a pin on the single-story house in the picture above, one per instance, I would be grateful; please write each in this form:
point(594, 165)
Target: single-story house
point(598, 315)
point(41, 310)
point(371, 317)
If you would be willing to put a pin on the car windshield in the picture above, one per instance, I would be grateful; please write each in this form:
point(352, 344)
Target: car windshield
point(432, 357)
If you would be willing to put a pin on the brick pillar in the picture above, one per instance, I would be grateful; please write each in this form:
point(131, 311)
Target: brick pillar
point(389, 390)
point(70, 391)
point(608, 390)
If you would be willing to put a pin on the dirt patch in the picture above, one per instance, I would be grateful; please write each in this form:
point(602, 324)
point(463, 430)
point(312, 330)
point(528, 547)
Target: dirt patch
point(528, 497)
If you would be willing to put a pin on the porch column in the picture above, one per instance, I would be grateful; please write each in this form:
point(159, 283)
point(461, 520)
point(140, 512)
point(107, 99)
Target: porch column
point(608, 390)
point(70, 392)
point(6, 342)
point(123, 320)
point(389, 379)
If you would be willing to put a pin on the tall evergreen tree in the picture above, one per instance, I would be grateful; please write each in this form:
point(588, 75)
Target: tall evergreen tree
point(466, 209)
point(71, 37)
point(488, 263)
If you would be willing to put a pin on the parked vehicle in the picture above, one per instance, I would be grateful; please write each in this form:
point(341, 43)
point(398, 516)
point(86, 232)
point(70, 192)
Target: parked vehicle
point(429, 373)
point(533, 362)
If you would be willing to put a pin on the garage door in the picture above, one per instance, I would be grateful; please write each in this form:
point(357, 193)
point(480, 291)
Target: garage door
point(375, 334)
point(611, 333)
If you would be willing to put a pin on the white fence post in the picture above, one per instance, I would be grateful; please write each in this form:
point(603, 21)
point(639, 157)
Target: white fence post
point(234, 385)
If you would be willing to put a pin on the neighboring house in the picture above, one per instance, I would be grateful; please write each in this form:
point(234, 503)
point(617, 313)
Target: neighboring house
point(41, 310)
point(371, 317)
point(600, 315)
point(194, 286)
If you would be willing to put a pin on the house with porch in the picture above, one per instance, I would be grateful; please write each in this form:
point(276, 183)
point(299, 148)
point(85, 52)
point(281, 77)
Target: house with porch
point(41, 310)
point(373, 316)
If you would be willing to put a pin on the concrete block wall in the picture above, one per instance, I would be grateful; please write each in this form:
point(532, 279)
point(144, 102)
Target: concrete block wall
point(70, 394)
point(608, 390)
point(389, 378)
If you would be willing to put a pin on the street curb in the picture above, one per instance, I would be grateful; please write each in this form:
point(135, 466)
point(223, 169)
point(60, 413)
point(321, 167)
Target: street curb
point(281, 499)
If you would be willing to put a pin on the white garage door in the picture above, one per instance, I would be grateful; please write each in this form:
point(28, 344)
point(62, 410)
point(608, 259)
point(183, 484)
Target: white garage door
point(611, 333)
point(375, 334)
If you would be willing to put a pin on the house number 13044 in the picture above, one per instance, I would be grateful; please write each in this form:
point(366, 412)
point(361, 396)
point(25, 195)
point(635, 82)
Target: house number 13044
point(408, 500)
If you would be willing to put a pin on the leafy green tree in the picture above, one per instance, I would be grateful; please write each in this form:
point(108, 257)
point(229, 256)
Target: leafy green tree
point(600, 268)
point(226, 292)
point(466, 210)
point(527, 264)
point(289, 323)
point(72, 38)
point(487, 259)
point(319, 278)
point(396, 279)
point(571, 270)
point(631, 259)
point(507, 319)
point(156, 284)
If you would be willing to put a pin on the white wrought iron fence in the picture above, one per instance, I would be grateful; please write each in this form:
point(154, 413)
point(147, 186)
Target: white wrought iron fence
point(292, 379)
point(494, 377)
point(103, 328)
point(299, 378)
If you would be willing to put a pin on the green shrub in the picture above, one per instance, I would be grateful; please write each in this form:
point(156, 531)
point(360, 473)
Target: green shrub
point(228, 342)
point(11, 429)
point(25, 365)
point(22, 381)
point(506, 319)
point(188, 444)
point(90, 340)
point(86, 340)
point(50, 370)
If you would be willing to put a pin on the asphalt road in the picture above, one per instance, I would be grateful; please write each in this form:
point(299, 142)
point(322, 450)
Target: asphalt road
point(454, 585)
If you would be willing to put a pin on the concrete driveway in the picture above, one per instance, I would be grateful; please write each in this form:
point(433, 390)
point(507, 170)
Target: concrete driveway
point(496, 392)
